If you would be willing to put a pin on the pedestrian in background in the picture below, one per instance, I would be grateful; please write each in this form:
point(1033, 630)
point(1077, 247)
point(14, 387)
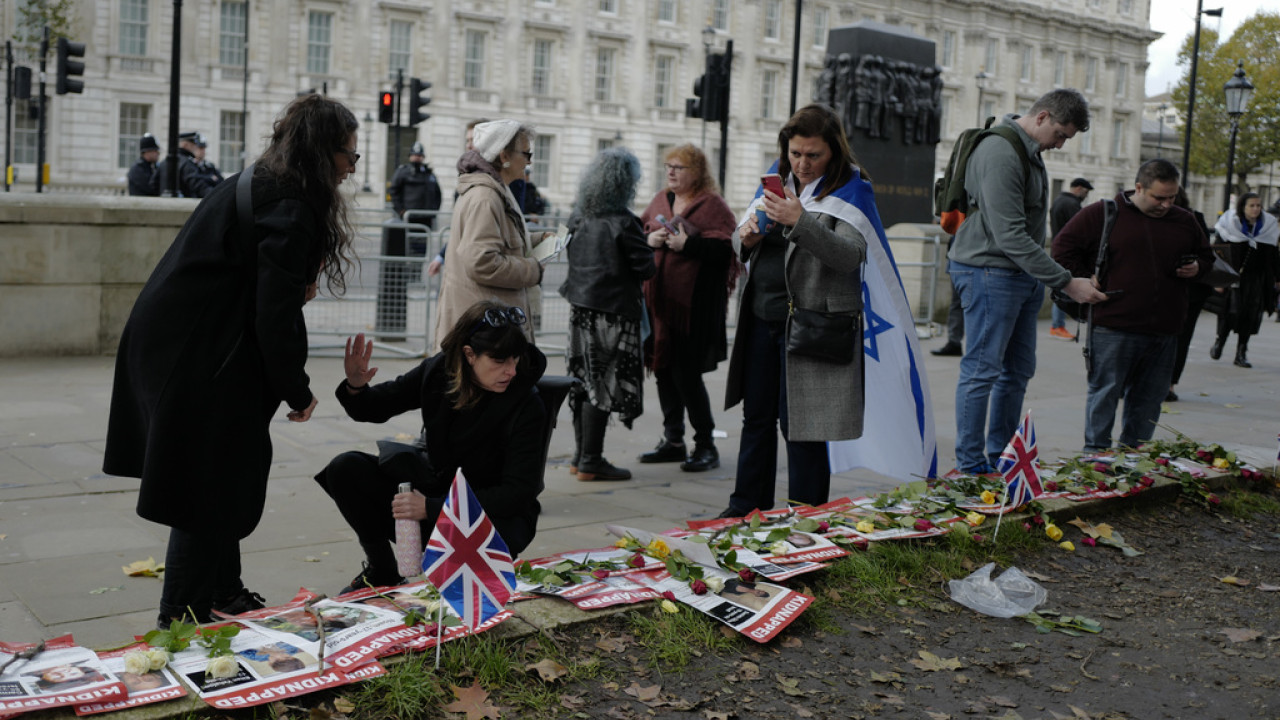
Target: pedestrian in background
point(687, 301)
point(608, 261)
point(1251, 235)
point(216, 341)
point(414, 187)
point(1065, 207)
point(144, 176)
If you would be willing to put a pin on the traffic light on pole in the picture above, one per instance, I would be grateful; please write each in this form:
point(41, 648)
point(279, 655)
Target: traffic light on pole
point(694, 106)
point(714, 90)
point(387, 108)
point(68, 68)
point(418, 100)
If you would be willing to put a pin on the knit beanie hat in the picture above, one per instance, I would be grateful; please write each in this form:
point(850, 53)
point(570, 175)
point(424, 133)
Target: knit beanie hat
point(491, 138)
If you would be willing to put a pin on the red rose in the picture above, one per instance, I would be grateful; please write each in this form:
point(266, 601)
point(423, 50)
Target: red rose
point(1088, 541)
point(1102, 484)
point(823, 526)
point(977, 538)
point(1037, 520)
point(1101, 467)
point(861, 543)
point(1146, 481)
point(747, 575)
point(600, 573)
point(668, 595)
point(635, 561)
point(1162, 461)
point(1051, 486)
point(1026, 526)
point(922, 525)
point(1214, 499)
point(698, 587)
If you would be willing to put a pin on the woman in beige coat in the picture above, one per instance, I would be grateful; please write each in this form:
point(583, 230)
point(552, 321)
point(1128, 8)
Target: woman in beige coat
point(488, 242)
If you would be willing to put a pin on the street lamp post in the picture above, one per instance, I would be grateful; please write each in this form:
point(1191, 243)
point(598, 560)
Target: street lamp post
point(1191, 91)
point(981, 79)
point(1160, 142)
point(708, 37)
point(368, 146)
point(1239, 92)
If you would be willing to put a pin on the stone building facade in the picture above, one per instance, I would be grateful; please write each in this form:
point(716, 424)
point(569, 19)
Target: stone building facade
point(587, 73)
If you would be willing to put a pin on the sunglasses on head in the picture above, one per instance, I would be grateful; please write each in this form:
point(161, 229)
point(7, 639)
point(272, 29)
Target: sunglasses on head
point(498, 318)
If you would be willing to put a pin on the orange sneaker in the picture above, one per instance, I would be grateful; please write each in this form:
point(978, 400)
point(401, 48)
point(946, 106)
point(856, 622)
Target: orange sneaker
point(1061, 333)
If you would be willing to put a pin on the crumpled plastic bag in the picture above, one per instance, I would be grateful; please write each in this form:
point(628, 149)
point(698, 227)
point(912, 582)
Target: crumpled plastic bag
point(1010, 595)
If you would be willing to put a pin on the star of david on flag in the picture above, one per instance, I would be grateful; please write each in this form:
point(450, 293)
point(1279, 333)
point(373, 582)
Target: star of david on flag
point(467, 560)
point(1020, 463)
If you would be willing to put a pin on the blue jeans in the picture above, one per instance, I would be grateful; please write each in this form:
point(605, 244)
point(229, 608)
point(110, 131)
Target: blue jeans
point(764, 409)
point(1059, 317)
point(1000, 308)
point(1132, 366)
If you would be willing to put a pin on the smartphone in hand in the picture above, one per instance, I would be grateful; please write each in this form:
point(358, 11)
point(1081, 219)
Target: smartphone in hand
point(773, 183)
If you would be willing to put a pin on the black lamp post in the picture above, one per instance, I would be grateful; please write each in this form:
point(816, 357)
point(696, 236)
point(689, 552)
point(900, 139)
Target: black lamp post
point(708, 38)
point(981, 79)
point(368, 148)
point(1160, 142)
point(1239, 92)
point(1191, 92)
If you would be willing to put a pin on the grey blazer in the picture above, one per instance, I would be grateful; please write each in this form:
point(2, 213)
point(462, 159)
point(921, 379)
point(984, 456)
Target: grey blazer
point(823, 271)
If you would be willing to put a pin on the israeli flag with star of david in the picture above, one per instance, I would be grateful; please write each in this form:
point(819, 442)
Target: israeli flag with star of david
point(898, 437)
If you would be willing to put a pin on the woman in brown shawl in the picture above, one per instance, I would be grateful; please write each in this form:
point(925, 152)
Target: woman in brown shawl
point(690, 227)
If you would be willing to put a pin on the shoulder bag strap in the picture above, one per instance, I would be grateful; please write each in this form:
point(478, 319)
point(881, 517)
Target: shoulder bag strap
point(244, 200)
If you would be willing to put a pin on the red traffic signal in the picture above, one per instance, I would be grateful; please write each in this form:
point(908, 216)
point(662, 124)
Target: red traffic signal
point(387, 108)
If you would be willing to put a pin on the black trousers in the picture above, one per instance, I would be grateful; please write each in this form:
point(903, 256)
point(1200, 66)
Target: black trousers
point(680, 390)
point(200, 569)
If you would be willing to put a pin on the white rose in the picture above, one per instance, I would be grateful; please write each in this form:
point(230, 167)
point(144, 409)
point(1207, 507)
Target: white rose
point(778, 548)
point(159, 657)
point(223, 666)
point(714, 584)
point(137, 662)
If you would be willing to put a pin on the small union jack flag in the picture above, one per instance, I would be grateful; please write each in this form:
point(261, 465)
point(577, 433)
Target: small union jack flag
point(1020, 463)
point(467, 560)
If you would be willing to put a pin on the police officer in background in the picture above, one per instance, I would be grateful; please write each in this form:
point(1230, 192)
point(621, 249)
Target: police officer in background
point(192, 182)
point(144, 176)
point(207, 169)
point(414, 186)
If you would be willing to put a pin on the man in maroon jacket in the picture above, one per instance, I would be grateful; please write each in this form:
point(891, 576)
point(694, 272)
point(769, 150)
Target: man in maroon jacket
point(1154, 252)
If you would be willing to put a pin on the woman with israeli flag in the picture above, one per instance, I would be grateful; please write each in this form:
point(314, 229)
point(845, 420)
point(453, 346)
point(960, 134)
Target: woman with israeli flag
point(797, 359)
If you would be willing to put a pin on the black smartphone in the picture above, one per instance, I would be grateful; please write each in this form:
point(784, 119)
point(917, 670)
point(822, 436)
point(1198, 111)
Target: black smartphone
point(1113, 293)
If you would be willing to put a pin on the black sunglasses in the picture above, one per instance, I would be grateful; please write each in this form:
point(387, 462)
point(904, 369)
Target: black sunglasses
point(498, 318)
point(353, 156)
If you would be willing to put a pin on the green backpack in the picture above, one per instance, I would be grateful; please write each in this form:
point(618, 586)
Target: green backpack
point(950, 201)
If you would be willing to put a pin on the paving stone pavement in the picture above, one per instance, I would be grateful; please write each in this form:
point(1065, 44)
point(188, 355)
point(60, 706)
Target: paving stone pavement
point(66, 529)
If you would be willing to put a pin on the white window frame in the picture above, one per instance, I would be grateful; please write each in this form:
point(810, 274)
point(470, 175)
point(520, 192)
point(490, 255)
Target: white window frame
point(664, 73)
point(1122, 79)
point(668, 11)
point(720, 15)
point(608, 7)
point(542, 66)
point(475, 59)
point(540, 169)
point(135, 25)
point(231, 141)
point(821, 21)
point(769, 78)
point(26, 133)
point(948, 58)
point(134, 120)
point(1091, 74)
point(991, 57)
point(1119, 126)
point(319, 42)
point(1060, 69)
point(1026, 72)
point(233, 19)
point(606, 74)
point(399, 47)
point(772, 19)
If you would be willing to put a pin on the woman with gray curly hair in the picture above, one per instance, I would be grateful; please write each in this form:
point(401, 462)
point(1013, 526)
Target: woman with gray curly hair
point(608, 260)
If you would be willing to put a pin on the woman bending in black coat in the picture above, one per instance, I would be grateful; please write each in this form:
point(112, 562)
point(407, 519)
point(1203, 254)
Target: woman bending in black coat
point(481, 414)
point(214, 344)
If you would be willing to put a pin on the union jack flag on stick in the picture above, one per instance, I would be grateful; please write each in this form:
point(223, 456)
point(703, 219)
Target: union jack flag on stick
point(467, 560)
point(1020, 466)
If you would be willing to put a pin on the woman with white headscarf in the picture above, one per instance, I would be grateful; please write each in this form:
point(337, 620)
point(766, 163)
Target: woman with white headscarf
point(1252, 235)
point(488, 241)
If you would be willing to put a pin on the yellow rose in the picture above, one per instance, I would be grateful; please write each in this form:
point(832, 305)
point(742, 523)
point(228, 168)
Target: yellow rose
point(621, 543)
point(669, 607)
point(988, 497)
point(659, 549)
point(975, 518)
point(1066, 545)
point(1221, 463)
point(865, 526)
point(1053, 531)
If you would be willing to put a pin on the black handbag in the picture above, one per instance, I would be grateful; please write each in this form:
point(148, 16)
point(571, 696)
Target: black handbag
point(831, 337)
point(405, 463)
point(1079, 311)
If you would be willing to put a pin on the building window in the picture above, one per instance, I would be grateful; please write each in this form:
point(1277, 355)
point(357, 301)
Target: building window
point(1060, 69)
point(319, 41)
point(659, 173)
point(473, 66)
point(135, 119)
point(231, 142)
point(768, 93)
point(540, 169)
point(26, 130)
point(540, 83)
point(720, 15)
point(773, 19)
point(1117, 137)
point(667, 11)
point(232, 23)
point(1122, 79)
point(603, 144)
point(663, 71)
point(944, 113)
point(820, 17)
point(1091, 75)
point(1086, 143)
point(604, 74)
point(609, 7)
point(993, 54)
point(1126, 7)
point(1026, 66)
point(400, 52)
point(948, 48)
point(133, 27)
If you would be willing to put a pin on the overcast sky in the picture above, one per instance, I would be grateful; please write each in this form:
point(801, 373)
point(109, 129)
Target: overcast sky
point(1177, 19)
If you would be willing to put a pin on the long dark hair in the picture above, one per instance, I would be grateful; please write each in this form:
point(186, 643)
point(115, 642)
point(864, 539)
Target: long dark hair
point(820, 121)
point(471, 329)
point(303, 142)
point(1240, 205)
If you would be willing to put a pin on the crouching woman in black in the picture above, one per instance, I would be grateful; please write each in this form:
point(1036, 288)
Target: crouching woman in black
point(481, 413)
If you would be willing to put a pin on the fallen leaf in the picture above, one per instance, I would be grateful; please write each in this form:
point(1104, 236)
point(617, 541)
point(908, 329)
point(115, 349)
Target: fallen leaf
point(885, 677)
point(310, 558)
point(792, 642)
point(800, 712)
point(790, 686)
point(749, 670)
point(1268, 588)
point(1237, 635)
point(344, 705)
point(1000, 701)
point(1232, 405)
point(99, 591)
point(143, 568)
point(609, 644)
point(474, 701)
point(1117, 541)
point(3, 535)
point(1037, 576)
point(1101, 530)
point(572, 702)
point(549, 670)
point(937, 715)
point(932, 663)
point(643, 694)
point(1233, 580)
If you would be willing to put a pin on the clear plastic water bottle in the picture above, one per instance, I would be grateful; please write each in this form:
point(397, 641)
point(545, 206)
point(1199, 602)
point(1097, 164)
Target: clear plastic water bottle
point(408, 543)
